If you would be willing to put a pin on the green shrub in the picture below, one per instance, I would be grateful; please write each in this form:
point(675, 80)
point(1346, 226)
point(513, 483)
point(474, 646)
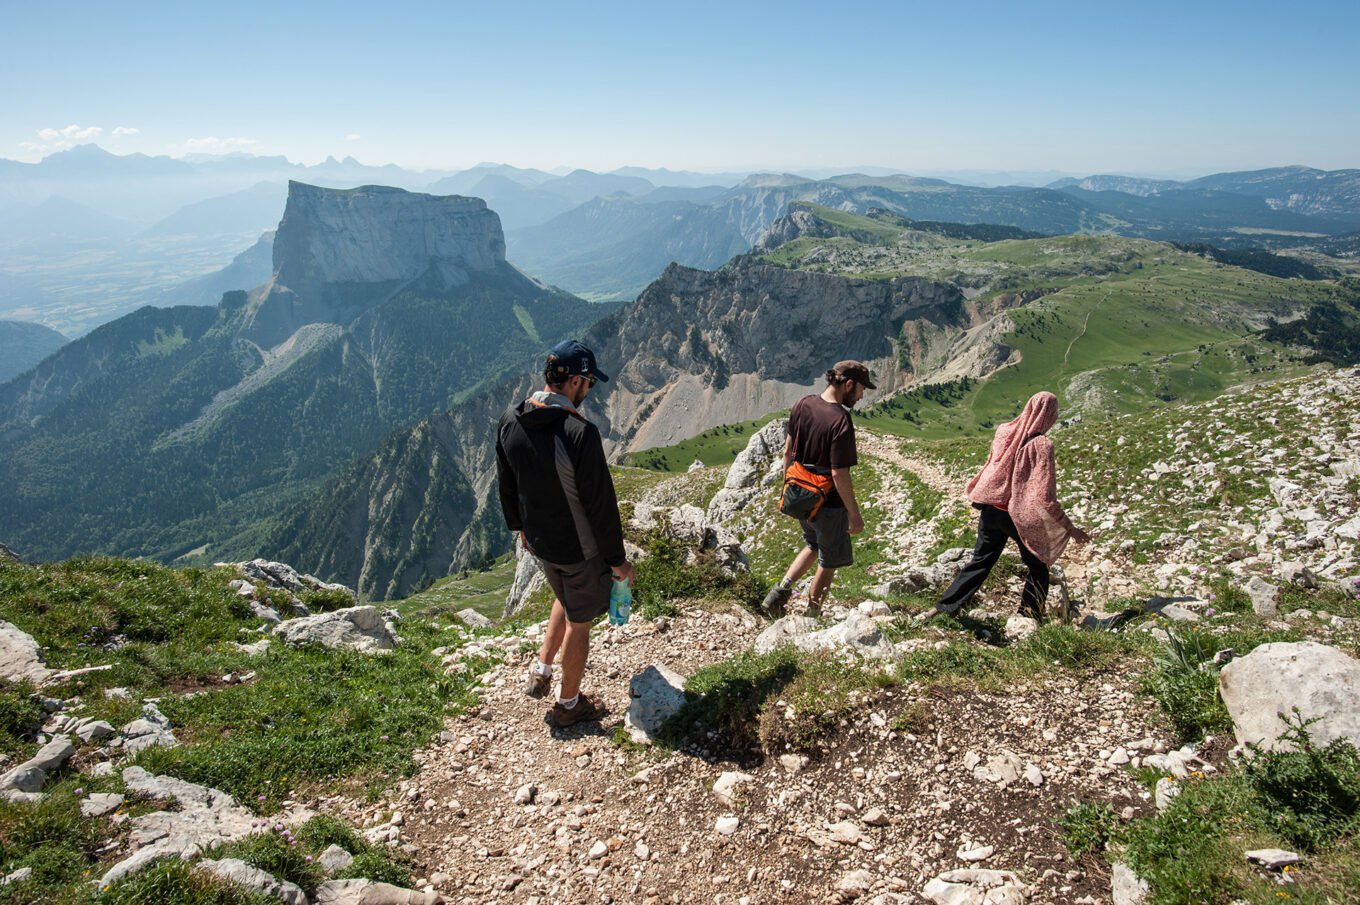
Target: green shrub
point(825, 690)
point(1072, 648)
point(1087, 827)
point(271, 852)
point(1187, 693)
point(325, 601)
point(20, 716)
point(727, 697)
point(1189, 853)
point(1312, 794)
point(372, 864)
point(50, 837)
point(663, 578)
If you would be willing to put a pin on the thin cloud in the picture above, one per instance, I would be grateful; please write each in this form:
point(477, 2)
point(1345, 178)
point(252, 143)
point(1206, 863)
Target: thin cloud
point(70, 134)
point(353, 136)
point(121, 131)
point(214, 145)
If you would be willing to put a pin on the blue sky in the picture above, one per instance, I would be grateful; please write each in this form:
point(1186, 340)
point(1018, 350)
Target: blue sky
point(1075, 87)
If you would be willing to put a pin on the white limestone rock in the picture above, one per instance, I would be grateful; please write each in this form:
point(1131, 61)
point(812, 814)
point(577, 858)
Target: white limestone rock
point(252, 879)
point(976, 886)
point(726, 788)
point(205, 818)
point(334, 859)
point(360, 628)
point(757, 467)
point(21, 658)
point(1126, 887)
point(1320, 681)
point(370, 892)
point(529, 578)
point(656, 694)
point(100, 803)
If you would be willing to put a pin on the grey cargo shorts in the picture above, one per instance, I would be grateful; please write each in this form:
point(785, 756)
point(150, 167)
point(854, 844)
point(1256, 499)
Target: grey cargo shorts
point(829, 535)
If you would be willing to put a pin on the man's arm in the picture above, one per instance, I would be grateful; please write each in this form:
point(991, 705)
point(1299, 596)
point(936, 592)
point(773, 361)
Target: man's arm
point(788, 453)
point(508, 489)
point(846, 488)
point(596, 488)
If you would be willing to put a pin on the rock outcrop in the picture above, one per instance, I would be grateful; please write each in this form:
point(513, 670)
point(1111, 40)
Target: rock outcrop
point(1274, 680)
point(21, 658)
point(205, 818)
point(361, 628)
point(334, 247)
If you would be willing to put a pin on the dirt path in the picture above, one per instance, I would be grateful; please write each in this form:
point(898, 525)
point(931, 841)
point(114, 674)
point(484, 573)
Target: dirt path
point(609, 822)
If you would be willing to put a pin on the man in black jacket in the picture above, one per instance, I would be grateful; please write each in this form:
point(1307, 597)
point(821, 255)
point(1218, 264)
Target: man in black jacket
point(556, 491)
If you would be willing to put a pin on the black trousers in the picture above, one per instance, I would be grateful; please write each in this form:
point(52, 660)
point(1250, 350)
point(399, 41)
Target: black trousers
point(994, 529)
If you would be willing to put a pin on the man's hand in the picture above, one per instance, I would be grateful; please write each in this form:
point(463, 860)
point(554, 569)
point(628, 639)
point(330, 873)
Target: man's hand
point(1079, 536)
point(856, 522)
point(624, 572)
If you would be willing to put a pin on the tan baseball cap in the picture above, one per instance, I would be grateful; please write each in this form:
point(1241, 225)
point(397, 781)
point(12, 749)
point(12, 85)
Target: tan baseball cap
point(856, 371)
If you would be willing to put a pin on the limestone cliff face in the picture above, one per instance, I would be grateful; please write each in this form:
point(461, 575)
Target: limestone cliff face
point(700, 349)
point(377, 234)
point(337, 250)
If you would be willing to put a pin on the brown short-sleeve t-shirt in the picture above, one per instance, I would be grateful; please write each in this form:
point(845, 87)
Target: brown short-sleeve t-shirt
point(823, 436)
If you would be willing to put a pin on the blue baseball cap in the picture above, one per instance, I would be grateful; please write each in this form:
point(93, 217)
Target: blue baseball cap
point(569, 358)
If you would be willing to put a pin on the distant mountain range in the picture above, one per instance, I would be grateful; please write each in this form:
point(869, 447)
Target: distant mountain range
point(193, 427)
point(611, 247)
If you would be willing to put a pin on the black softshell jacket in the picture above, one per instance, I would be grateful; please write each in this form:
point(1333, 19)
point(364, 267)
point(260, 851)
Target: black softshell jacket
point(555, 485)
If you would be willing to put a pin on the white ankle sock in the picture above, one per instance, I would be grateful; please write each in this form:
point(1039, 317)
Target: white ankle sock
point(541, 668)
point(569, 703)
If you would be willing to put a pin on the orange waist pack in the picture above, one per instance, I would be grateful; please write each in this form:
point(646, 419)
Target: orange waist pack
point(804, 491)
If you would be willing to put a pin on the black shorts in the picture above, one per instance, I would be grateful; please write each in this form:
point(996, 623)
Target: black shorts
point(829, 535)
point(582, 587)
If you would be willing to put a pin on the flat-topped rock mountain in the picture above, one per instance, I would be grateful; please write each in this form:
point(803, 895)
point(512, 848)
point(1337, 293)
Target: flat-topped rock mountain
point(377, 234)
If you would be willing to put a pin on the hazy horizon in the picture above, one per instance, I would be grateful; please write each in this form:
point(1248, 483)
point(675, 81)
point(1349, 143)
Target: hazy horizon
point(1037, 176)
point(976, 87)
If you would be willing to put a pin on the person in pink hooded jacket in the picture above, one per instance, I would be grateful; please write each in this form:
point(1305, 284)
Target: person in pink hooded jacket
point(1017, 496)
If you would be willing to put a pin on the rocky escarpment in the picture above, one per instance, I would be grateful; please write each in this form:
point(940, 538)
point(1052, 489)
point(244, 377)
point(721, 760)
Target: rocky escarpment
point(378, 233)
point(338, 252)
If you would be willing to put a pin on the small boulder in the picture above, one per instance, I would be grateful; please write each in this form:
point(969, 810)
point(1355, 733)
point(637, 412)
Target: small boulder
point(1264, 596)
point(473, 618)
point(20, 657)
point(334, 859)
point(976, 886)
point(657, 694)
point(1320, 681)
point(252, 879)
point(1126, 887)
point(360, 628)
point(726, 786)
point(370, 892)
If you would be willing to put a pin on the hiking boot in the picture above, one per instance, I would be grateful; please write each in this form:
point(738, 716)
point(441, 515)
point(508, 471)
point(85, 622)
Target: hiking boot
point(588, 707)
point(536, 685)
point(776, 602)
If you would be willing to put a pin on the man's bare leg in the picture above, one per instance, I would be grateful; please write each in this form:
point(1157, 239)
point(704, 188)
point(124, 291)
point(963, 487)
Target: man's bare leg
point(574, 651)
point(801, 563)
point(552, 638)
point(821, 583)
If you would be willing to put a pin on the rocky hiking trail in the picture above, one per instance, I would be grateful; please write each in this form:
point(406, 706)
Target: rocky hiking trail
point(506, 809)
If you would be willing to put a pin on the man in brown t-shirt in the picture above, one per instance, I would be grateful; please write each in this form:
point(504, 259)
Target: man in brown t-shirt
point(822, 438)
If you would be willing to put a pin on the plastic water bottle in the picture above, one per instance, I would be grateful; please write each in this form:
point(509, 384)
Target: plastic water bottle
point(620, 602)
